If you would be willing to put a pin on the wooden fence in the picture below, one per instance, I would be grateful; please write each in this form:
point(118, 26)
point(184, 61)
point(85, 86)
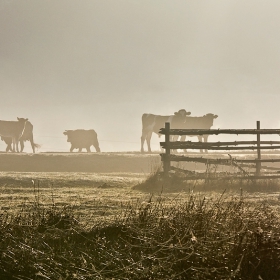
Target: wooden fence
point(240, 164)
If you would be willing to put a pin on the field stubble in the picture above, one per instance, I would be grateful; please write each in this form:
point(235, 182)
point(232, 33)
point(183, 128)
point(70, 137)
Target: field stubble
point(81, 225)
point(95, 195)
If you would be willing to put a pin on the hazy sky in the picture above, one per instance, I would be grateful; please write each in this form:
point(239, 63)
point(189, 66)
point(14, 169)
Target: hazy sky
point(68, 64)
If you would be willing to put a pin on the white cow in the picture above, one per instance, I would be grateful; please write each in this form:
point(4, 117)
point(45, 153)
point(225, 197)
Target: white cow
point(153, 123)
point(26, 136)
point(204, 122)
point(13, 129)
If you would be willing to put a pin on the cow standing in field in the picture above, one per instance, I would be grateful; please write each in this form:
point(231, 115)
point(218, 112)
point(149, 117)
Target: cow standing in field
point(26, 136)
point(204, 122)
point(152, 123)
point(81, 138)
point(13, 130)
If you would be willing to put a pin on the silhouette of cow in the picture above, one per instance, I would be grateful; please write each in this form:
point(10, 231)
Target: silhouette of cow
point(81, 138)
point(204, 122)
point(152, 123)
point(26, 136)
point(13, 130)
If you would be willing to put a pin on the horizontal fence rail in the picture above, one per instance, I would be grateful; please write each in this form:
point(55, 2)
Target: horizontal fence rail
point(257, 145)
point(216, 161)
point(221, 145)
point(218, 131)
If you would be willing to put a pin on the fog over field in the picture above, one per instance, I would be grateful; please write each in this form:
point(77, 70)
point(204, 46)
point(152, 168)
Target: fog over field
point(101, 64)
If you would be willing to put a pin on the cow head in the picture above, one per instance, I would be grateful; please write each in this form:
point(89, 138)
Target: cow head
point(211, 116)
point(182, 113)
point(68, 134)
point(22, 120)
point(22, 123)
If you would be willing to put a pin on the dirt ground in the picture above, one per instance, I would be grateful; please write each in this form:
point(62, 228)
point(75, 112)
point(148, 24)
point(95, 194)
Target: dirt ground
point(79, 162)
point(126, 162)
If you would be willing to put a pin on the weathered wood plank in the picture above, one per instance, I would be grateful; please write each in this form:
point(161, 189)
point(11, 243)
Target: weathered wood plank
point(219, 131)
point(268, 177)
point(190, 176)
point(216, 161)
point(181, 145)
point(219, 143)
point(226, 146)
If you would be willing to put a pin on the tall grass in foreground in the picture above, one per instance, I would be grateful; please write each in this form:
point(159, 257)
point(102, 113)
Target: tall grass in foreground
point(198, 238)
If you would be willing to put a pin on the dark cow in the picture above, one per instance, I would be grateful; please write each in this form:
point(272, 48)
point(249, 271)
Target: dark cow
point(152, 123)
point(81, 138)
point(13, 130)
point(204, 122)
point(26, 136)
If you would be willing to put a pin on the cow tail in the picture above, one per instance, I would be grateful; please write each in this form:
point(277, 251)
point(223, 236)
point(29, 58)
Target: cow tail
point(37, 145)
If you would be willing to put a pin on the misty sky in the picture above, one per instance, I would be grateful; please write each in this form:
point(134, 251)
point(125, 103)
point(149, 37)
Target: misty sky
point(68, 64)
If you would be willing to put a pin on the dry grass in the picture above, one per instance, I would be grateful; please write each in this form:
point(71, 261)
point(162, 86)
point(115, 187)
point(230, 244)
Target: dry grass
point(136, 226)
point(104, 195)
point(97, 194)
point(157, 237)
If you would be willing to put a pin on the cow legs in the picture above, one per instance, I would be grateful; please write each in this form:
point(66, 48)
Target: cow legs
point(9, 148)
point(205, 138)
point(9, 145)
point(97, 148)
point(143, 138)
point(146, 136)
point(200, 140)
point(88, 149)
point(174, 138)
point(182, 139)
point(14, 142)
point(71, 148)
point(21, 145)
point(148, 140)
point(13, 145)
point(8, 141)
point(17, 141)
point(31, 142)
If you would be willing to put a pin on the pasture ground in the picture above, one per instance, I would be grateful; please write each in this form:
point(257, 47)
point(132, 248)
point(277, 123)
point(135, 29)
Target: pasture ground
point(96, 184)
point(99, 216)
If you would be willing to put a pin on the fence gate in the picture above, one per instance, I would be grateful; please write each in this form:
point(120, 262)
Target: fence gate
point(257, 145)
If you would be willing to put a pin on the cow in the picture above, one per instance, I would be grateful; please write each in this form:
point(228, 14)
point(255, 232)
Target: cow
point(152, 123)
point(203, 122)
point(13, 130)
point(26, 136)
point(81, 138)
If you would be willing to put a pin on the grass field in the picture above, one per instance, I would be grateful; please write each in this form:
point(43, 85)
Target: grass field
point(85, 180)
point(131, 223)
point(105, 189)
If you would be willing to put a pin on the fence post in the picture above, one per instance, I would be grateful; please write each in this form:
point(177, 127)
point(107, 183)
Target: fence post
point(166, 162)
point(258, 164)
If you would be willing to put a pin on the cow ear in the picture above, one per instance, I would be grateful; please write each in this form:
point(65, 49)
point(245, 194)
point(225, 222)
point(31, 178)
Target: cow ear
point(216, 116)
